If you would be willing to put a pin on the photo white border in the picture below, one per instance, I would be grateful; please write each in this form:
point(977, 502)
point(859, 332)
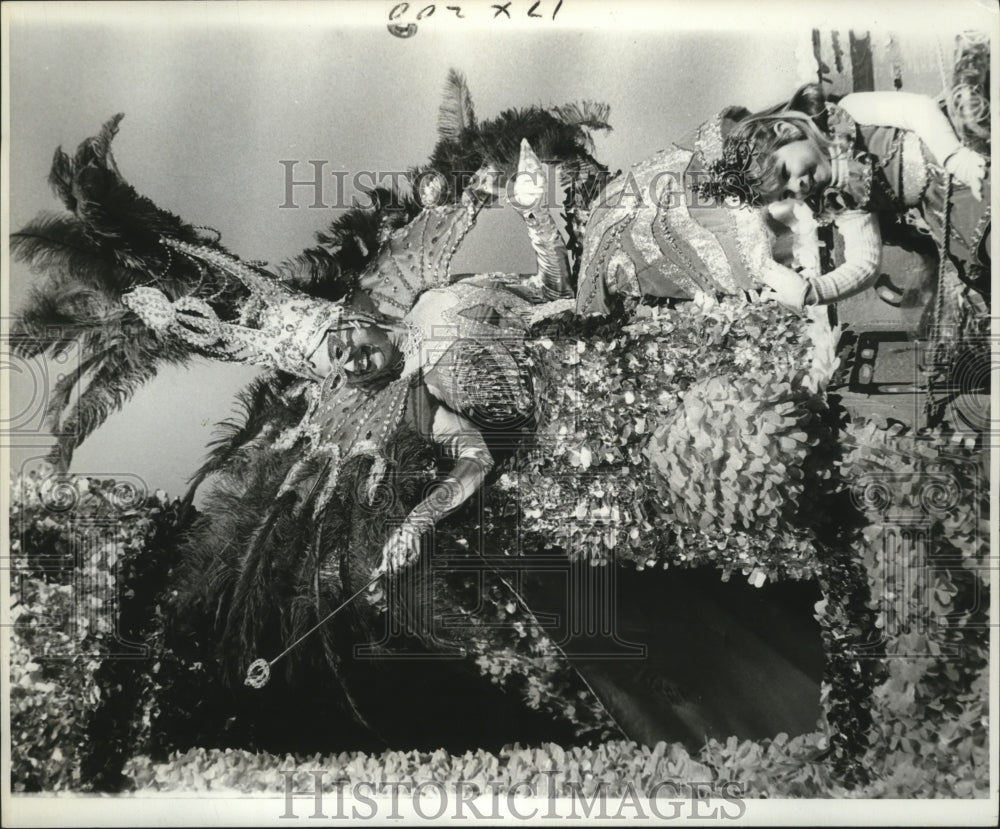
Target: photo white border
point(146, 809)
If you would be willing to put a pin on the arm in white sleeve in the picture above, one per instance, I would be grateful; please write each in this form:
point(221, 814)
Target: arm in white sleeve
point(908, 111)
point(862, 254)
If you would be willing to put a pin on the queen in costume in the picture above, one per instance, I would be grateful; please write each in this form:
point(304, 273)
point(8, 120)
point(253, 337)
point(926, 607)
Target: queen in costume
point(653, 235)
point(671, 439)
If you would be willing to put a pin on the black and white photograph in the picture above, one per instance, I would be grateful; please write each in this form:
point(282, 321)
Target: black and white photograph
point(544, 411)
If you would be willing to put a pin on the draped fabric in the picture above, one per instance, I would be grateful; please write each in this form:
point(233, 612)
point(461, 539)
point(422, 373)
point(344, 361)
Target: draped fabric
point(650, 235)
point(891, 170)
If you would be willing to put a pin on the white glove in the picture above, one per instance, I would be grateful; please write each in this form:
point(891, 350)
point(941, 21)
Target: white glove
point(402, 548)
point(786, 286)
point(968, 167)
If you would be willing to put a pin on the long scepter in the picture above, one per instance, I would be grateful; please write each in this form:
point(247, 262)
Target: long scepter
point(259, 671)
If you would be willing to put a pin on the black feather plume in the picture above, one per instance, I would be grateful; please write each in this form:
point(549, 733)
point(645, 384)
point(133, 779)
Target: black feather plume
point(107, 244)
point(348, 245)
point(263, 411)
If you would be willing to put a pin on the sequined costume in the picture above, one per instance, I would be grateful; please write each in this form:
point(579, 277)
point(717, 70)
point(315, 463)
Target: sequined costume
point(464, 348)
point(651, 235)
point(300, 513)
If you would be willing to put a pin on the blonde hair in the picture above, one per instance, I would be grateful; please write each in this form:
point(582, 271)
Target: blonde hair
point(762, 136)
point(757, 138)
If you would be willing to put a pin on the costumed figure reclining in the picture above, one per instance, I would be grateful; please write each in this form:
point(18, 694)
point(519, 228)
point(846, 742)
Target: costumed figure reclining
point(713, 430)
point(483, 368)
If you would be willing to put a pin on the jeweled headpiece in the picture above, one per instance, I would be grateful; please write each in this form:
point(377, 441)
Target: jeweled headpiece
point(726, 162)
point(418, 255)
point(276, 327)
point(729, 178)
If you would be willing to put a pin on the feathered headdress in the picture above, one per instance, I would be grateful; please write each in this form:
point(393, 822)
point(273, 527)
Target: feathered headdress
point(276, 327)
point(108, 243)
point(136, 287)
point(186, 292)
